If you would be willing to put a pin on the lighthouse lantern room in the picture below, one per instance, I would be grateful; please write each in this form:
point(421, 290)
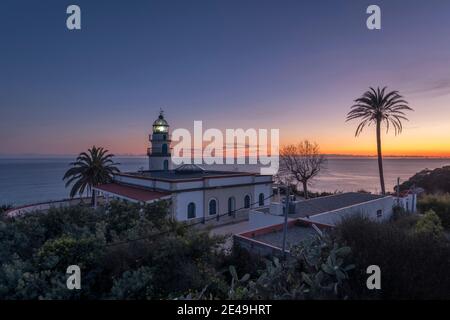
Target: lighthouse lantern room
point(159, 151)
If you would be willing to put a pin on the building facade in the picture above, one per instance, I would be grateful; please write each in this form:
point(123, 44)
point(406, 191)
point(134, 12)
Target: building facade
point(333, 209)
point(195, 193)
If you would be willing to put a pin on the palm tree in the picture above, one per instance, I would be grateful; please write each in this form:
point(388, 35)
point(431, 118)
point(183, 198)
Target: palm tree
point(376, 107)
point(89, 170)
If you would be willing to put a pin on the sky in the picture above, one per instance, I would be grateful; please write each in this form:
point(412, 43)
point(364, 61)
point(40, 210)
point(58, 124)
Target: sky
point(294, 65)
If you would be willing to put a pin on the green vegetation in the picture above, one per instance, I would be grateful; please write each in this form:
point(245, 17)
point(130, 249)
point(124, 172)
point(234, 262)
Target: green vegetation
point(130, 252)
point(169, 261)
point(433, 181)
point(438, 203)
point(377, 108)
point(414, 265)
point(413, 258)
point(317, 269)
point(430, 224)
point(89, 170)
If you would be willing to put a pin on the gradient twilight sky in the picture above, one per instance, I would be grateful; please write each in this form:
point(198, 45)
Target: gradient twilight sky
point(294, 65)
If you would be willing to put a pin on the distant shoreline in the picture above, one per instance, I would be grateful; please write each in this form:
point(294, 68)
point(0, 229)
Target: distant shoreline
point(329, 156)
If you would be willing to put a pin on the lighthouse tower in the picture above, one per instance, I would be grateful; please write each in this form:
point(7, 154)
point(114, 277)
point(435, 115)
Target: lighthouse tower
point(159, 151)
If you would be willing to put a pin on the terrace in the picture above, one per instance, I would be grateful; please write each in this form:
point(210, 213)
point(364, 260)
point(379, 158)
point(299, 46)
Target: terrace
point(268, 241)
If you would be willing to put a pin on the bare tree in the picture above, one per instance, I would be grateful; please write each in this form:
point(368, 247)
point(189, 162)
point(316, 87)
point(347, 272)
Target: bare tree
point(301, 162)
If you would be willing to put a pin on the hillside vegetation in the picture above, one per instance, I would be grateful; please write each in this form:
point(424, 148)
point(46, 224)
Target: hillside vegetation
point(128, 252)
point(433, 181)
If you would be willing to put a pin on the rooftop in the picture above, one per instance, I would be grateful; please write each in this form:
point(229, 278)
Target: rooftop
point(315, 206)
point(294, 236)
point(297, 231)
point(186, 174)
point(133, 193)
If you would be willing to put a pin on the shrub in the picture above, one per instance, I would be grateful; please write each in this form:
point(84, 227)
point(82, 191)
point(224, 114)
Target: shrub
point(430, 223)
point(318, 268)
point(123, 250)
point(403, 219)
point(65, 251)
point(244, 261)
point(398, 212)
point(134, 284)
point(439, 203)
point(413, 265)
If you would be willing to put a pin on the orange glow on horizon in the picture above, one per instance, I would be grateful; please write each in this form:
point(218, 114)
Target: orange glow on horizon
point(352, 147)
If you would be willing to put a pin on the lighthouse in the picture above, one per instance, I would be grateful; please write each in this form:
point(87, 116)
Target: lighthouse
point(159, 151)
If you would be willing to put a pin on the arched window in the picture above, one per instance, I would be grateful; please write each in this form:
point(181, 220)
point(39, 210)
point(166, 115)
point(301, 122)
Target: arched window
point(261, 199)
point(231, 205)
point(212, 207)
point(166, 165)
point(191, 210)
point(164, 149)
point(247, 201)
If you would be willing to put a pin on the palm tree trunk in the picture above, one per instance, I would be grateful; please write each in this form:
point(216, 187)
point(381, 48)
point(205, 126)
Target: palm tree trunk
point(93, 197)
point(380, 157)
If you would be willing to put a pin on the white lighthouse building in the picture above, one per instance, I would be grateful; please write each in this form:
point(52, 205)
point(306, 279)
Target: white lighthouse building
point(196, 194)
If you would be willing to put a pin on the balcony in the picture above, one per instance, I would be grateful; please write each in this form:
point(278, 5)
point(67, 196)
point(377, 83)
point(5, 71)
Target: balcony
point(160, 137)
point(157, 152)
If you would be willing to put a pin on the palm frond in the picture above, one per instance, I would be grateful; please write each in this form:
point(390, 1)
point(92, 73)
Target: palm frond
point(91, 168)
point(377, 105)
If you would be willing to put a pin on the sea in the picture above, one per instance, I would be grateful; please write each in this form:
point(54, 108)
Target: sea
point(34, 180)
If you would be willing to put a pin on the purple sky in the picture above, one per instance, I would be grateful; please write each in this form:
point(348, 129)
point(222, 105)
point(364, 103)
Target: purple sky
point(293, 65)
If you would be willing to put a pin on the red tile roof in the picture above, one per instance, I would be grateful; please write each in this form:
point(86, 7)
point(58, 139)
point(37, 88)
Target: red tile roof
point(138, 194)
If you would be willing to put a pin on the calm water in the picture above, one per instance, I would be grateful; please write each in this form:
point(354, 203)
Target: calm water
point(24, 181)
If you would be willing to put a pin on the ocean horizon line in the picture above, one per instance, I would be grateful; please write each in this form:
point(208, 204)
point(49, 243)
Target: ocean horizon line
point(131, 155)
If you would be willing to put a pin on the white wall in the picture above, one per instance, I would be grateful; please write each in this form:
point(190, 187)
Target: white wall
point(276, 208)
point(149, 183)
point(409, 203)
point(188, 185)
point(257, 219)
point(163, 185)
point(220, 182)
point(135, 181)
point(181, 201)
point(262, 188)
point(368, 209)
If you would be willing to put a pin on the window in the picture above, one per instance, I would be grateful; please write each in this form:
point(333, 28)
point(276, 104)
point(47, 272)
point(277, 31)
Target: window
point(231, 205)
point(166, 165)
point(212, 207)
point(261, 199)
point(191, 210)
point(247, 202)
point(379, 213)
point(164, 149)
